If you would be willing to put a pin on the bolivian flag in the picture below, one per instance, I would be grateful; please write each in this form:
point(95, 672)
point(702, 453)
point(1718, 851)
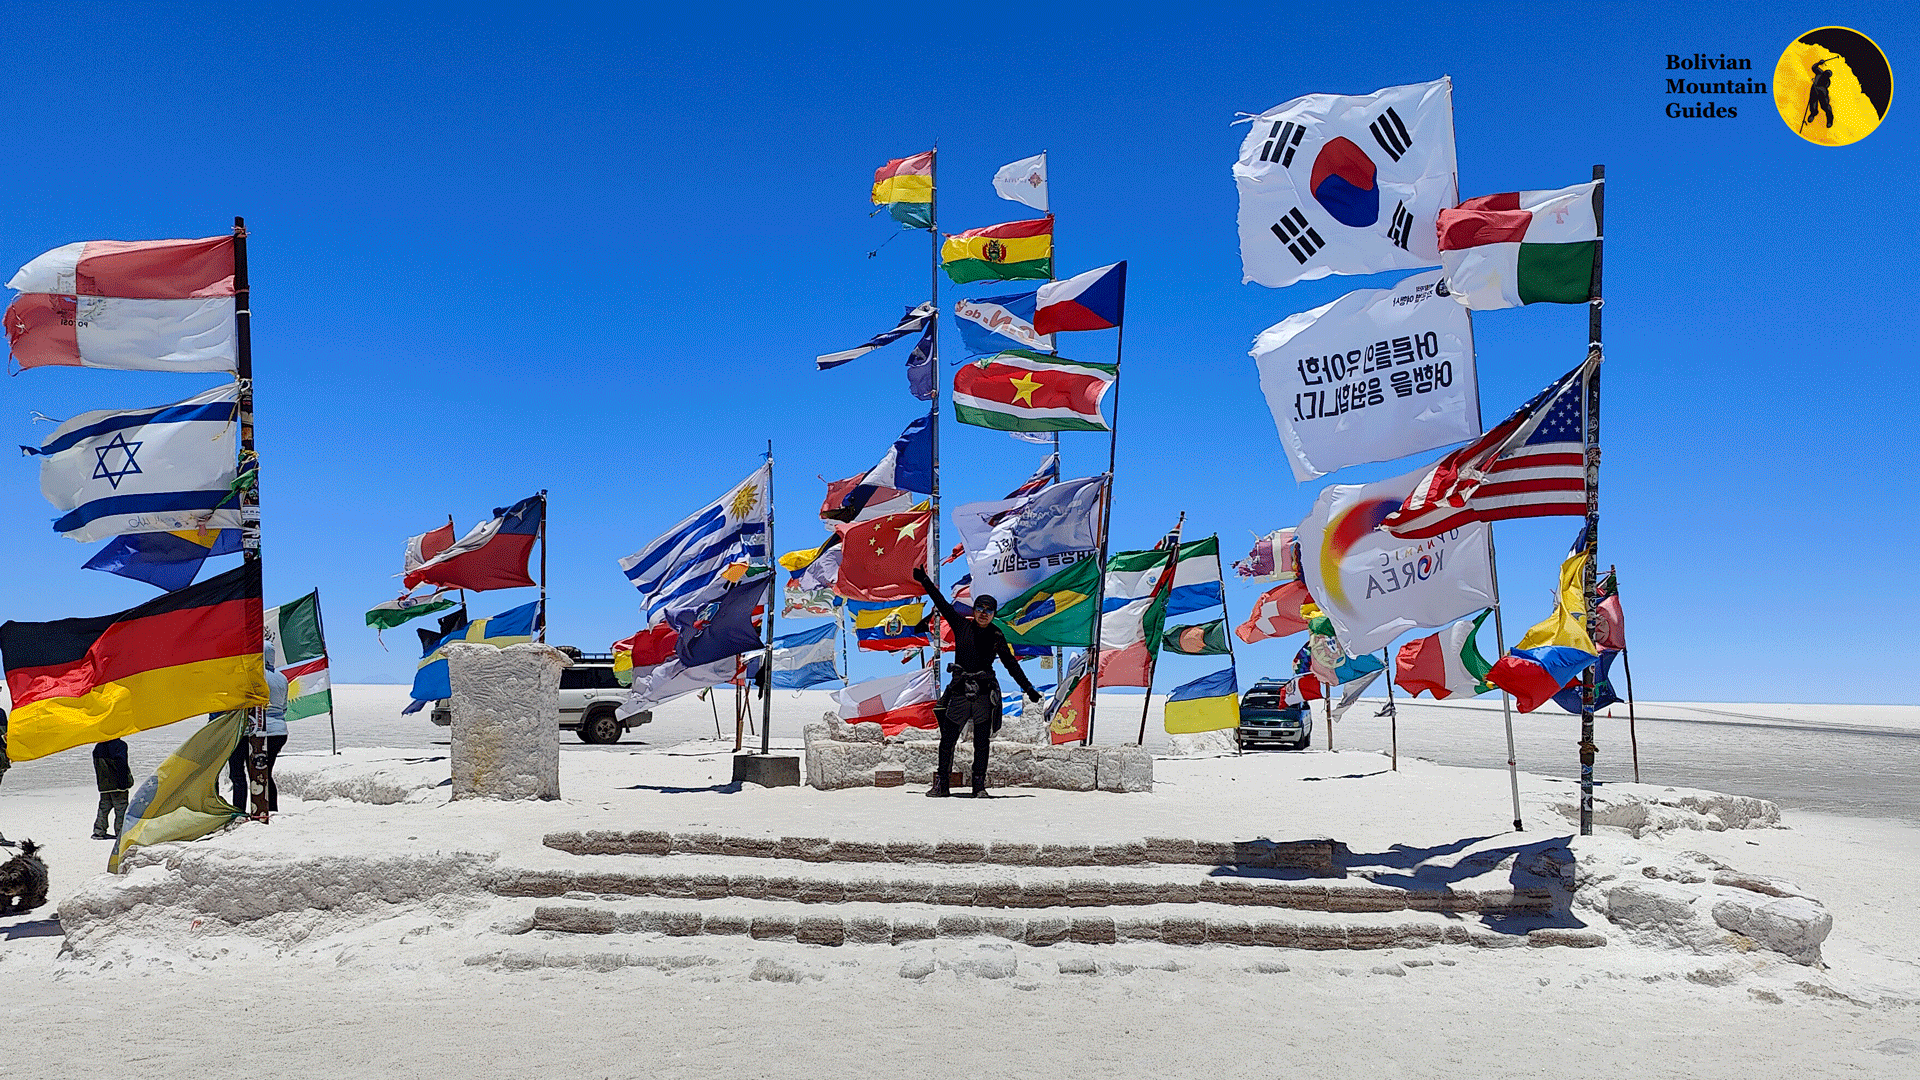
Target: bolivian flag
point(905, 187)
point(1010, 251)
point(80, 681)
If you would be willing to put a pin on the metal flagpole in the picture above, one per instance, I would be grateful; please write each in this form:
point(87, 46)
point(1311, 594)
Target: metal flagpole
point(933, 423)
point(1499, 633)
point(321, 625)
point(1232, 661)
point(541, 633)
point(256, 729)
point(1153, 650)
point(766, 664)
point(1633, 735)
point(1393, 714)
point(1059, 469)
point(1106, 526)
point(1589, 578)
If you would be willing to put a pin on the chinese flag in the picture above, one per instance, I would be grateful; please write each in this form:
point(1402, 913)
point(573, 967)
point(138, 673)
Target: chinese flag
point(880, 557)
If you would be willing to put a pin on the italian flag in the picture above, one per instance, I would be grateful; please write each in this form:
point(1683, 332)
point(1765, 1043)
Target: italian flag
point(1523, 247)
point(1019, 390)
point(1446, 663)
point(300, 653)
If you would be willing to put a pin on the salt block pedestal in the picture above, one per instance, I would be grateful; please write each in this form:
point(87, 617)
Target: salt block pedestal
point(506, 720)
point(767, 770)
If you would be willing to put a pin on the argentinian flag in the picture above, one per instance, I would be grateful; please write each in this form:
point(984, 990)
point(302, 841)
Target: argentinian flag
point(164, 469)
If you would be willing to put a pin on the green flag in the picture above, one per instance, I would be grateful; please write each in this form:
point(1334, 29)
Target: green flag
point(1058, 611)
point(395, 612)
point(1201, 639)
point(300, 653)
point(181, 800)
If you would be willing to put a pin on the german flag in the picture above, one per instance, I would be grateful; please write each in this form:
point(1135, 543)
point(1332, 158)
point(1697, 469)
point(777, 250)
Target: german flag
point(79, 681)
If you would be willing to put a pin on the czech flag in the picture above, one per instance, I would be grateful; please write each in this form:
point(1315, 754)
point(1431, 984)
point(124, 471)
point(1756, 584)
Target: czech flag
point(1094, 300)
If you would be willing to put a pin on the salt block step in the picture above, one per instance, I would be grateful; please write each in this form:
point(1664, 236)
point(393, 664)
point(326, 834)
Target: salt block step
point(997, 886)
point(882, 924)
point(1315, 856)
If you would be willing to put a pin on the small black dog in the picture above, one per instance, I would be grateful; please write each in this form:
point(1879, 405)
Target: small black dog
point(23, 881)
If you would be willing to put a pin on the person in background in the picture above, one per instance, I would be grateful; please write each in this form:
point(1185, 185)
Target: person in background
point(115, 778)
point(276, 738)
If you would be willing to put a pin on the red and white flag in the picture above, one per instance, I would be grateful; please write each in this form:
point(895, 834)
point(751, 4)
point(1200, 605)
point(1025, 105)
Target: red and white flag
point(152, 305)
point(1275, 614)
point(1533, 464)
point(902, 701)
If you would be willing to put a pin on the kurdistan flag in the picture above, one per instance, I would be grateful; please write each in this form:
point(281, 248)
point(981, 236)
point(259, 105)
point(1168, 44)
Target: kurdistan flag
point(1521, 247)
point(1018, 390)
point(300, 653)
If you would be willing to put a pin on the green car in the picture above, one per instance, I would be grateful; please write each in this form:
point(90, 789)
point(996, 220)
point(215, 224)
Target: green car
point(1263, 720)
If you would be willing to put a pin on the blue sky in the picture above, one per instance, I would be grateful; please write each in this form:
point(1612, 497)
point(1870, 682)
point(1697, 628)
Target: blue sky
point(502, 249)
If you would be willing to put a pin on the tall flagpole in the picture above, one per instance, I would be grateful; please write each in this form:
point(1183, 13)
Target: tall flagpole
point(1106, 526)
point(1590, 575)
point(773, 589)
point(1633, 734)
point(1499, 626)
point(1153, 648)
point(1233, 661)
point(256, 729)
point(1053, 274)
point(933, 327)
point(541, 634)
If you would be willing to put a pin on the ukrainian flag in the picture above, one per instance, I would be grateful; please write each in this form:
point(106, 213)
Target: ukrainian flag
point(1210, 703)
point(431, 681)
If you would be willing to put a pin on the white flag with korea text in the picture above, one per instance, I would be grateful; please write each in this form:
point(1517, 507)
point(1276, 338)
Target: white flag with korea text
point(1346, 185)
point(1375, 586)
point(1376, 375)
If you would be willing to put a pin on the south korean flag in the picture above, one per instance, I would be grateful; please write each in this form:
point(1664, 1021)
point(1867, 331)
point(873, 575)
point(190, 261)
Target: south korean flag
point(1346, 185)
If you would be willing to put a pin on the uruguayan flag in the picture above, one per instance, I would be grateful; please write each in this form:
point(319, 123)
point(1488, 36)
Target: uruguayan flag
point(673, 571)
point(167, 469)
point(804, 659)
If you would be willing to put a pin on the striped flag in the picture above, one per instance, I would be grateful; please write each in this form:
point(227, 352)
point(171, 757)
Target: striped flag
point(150, 305)
point(675, 567)
point(300, 653)
point(1019, 390)
point(1533, 464)
point(914, 320)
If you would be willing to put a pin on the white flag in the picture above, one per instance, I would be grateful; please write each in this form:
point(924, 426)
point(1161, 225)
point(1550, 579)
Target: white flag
point(1346, 185)
point(1374, 586)
point(1376, 375)
point(1024, 181)
point(144, 470)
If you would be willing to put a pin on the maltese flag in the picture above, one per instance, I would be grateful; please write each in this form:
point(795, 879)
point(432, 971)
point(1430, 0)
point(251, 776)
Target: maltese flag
point(1094, 300)
point(151, 305)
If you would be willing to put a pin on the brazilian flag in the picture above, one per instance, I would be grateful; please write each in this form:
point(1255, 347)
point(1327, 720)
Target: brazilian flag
point(1058, 611)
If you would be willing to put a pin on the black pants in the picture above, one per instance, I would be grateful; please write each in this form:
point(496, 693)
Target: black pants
point(237, 772)
point(970, 698)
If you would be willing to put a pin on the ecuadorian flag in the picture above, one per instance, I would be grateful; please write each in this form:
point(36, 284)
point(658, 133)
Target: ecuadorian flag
point(1211, 703)
point(889, 625)
point(80, 681)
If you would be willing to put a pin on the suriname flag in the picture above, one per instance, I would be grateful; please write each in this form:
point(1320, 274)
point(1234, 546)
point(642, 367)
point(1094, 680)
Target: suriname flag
point(1019, 390)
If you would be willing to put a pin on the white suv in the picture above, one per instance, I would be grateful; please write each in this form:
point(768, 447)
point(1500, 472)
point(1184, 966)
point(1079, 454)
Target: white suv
point(589, 696)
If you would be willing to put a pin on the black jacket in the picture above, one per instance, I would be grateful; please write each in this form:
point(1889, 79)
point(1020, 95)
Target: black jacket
point(976, 647)
point(110, 769)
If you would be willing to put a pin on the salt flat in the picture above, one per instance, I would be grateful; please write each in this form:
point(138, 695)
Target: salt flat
point(364, 988)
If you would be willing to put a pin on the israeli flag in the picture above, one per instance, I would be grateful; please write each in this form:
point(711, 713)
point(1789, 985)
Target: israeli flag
point(166, 469)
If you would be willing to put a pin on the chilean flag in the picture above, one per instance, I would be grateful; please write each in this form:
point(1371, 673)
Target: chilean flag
point(493, 554)
point(1094, 300)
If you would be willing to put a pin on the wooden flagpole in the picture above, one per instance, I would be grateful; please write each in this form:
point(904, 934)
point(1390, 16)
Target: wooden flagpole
point(541, 634)
point(256, 729)
point(1590, 576)
point(773, 589)
point(1153, 650)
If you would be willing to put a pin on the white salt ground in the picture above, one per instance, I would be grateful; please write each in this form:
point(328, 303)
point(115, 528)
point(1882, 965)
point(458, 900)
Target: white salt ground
point(419, 985)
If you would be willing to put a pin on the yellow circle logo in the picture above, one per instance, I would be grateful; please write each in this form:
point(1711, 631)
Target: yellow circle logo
point(1832, 86)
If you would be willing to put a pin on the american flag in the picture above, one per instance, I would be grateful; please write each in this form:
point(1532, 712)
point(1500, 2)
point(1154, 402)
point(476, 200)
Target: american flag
point(1532, 465)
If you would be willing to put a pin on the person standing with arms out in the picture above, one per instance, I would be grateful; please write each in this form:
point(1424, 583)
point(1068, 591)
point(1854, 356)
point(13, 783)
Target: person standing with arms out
point(974, 694)
point(276, 738)
point(114, 777)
